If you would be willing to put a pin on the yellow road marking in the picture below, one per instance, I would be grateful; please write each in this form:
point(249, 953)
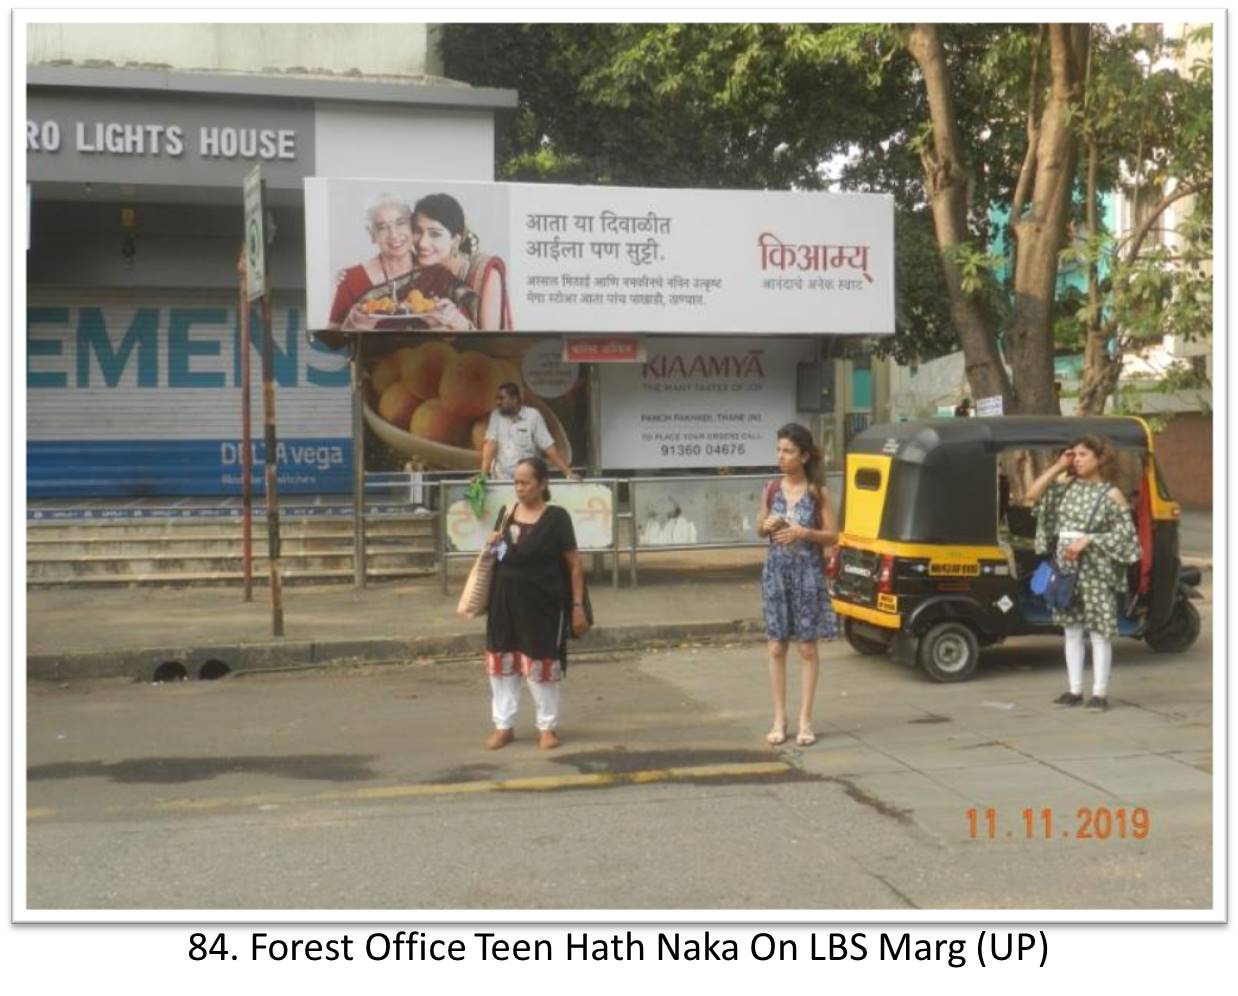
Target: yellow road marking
point(38, 813)
point(542, 783)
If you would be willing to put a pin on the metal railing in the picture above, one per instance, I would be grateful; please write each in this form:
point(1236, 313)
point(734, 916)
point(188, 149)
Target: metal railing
point(648, 514)
point(462, 533)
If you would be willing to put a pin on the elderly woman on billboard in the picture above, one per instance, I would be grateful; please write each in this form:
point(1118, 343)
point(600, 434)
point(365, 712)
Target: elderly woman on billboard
point(389, 224)
point(444, 283)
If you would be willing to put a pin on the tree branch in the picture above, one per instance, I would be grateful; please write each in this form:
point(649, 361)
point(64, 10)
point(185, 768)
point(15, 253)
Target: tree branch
point(1028, 170)
point(1145, 227)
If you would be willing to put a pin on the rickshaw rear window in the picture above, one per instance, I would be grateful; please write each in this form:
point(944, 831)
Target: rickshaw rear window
point(868, 479)
point(1161, 487)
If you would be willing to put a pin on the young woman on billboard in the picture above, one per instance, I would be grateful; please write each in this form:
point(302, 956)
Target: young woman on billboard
point(441, 239)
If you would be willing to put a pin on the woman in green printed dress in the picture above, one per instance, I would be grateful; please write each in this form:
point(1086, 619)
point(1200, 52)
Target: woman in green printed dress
point(1079, 509)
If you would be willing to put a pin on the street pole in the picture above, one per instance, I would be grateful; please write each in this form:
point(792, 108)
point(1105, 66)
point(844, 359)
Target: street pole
point(593, 375)
point(358, 468)
point(272, 468)
point(247, 456)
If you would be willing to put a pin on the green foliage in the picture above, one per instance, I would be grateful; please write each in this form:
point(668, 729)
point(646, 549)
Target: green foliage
point(1128, 400)
point(843, 106)
point(923, 329)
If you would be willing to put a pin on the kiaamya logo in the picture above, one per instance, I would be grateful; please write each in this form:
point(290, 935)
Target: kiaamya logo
point(727, 367)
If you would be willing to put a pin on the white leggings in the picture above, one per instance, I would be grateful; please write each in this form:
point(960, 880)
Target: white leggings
point(1102, 661)
point(505, 700)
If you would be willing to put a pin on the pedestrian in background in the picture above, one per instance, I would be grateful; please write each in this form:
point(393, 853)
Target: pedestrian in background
point(516, 432)
point(798, 518)
point(537, 598)
point(1084, 523)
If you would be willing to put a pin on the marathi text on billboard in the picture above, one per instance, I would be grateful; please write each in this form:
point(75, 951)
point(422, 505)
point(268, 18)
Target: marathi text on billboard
point(450, 257)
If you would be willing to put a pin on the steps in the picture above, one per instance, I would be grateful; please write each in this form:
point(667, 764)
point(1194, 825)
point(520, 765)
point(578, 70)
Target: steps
point(172, 551)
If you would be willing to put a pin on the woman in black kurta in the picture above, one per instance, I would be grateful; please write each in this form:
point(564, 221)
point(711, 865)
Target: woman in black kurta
point(537, 598)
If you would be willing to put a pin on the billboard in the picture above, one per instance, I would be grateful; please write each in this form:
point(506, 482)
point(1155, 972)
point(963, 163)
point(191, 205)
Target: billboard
point(418, 256)
point(700, 403)
point(427, 399)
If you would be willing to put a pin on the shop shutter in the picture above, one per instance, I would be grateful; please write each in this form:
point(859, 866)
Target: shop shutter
point(139, 394)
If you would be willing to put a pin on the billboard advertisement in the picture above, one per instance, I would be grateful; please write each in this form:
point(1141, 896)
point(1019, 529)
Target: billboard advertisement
point(428, 398)
point(700, 403)
point(418, 256)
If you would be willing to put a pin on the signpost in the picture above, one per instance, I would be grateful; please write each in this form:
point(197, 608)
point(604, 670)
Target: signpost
point(247, 455)
point(990, 406)
point(256, 287)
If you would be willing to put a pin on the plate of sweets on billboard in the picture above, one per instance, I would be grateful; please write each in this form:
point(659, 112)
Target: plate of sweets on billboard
point(412, 303)
point(433, 402)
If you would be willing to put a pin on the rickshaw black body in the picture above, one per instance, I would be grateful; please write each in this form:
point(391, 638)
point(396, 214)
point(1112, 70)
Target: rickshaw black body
point(919, 559)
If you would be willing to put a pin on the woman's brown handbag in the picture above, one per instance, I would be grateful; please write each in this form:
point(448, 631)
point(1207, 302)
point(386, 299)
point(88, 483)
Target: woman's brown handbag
point(475, 598)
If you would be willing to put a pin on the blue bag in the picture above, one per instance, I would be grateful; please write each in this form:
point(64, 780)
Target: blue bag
point(1060, 589)
point(1040, 578)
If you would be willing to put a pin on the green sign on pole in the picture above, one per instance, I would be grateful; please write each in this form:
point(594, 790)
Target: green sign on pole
point(255, 243)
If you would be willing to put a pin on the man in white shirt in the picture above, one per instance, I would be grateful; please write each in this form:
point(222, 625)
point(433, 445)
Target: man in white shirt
point(515, 433)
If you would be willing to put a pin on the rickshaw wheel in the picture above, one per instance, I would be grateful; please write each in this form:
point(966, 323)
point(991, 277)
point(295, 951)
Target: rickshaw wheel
point(1180, 632)
point(949, 652)
point(862, 644)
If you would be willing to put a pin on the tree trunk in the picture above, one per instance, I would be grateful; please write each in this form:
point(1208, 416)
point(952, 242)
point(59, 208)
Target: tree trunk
point(1041, 232)
point(1100, 370)
point(948, 185)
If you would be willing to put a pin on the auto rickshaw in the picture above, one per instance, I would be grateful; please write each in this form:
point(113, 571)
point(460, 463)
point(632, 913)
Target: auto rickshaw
point(934, 562)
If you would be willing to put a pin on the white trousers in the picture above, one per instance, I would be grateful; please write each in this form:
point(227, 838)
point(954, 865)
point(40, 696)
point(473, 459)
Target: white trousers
point(505, 700)
point(1102, 661)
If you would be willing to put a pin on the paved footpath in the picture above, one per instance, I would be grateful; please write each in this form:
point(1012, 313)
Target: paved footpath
point(367, 787)
point(73, 633)
point(131, 632)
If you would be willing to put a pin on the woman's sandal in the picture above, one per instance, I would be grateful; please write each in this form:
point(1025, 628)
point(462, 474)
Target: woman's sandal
point(776, 736)
point(805, 738)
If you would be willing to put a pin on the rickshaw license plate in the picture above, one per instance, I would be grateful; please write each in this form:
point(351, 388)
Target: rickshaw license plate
point(954, 570)
point(887, 603)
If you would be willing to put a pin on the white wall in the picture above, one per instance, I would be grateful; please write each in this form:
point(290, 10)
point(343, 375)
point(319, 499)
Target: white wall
point(361, 141)
point(370, 49)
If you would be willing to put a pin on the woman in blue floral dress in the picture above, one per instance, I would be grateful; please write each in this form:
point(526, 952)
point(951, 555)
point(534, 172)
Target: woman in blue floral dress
point(798, 517)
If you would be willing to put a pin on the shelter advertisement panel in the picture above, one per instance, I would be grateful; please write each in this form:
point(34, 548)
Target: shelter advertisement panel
point(591, 504)
point(679, 512)
point(698, 403)
point(428, 399)
point(417, 256)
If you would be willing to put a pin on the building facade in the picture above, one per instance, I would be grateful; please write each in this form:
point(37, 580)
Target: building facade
point(138, 139)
